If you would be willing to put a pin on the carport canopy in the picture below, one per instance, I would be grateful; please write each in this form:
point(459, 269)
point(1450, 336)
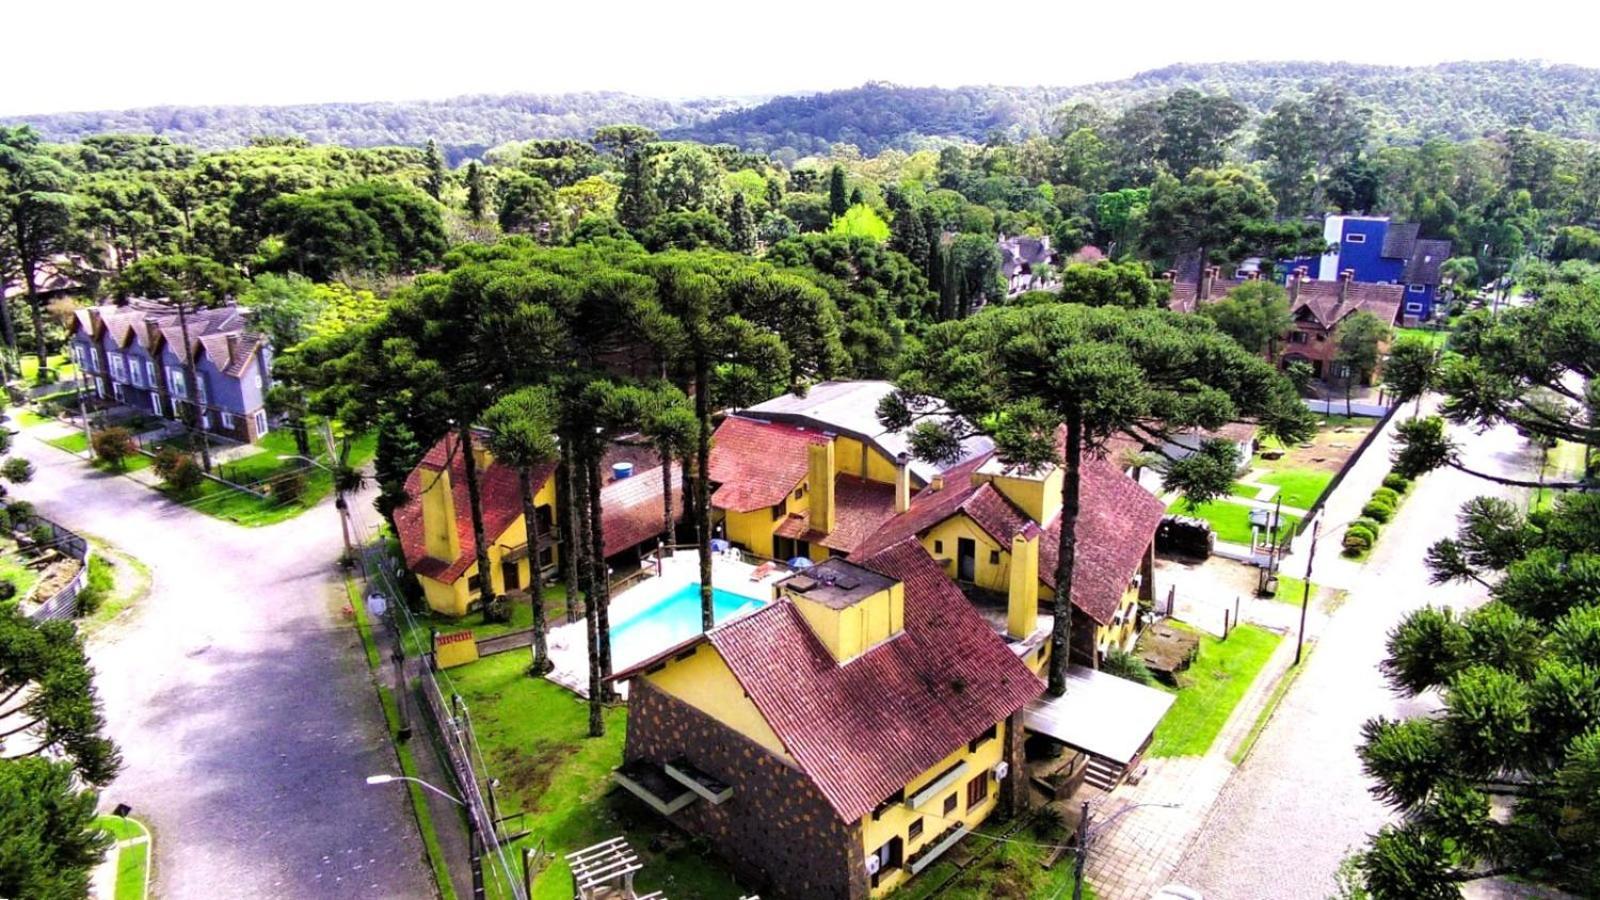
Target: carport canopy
point(1100, 714)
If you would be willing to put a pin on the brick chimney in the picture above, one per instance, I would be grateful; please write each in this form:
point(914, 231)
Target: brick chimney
point(902, 483)
point(1345, 277)
point(1207, 275)
point(1293, 285)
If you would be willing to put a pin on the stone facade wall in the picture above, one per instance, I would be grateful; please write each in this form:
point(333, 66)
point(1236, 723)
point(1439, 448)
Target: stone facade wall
point(776, 832)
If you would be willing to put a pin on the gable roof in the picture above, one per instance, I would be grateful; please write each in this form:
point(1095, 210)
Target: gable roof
point(860, 507)
point(862, 731)
point(756, 464)
point(631, 508)
point(1117, 520)
point(1400, 239)
point(1325, 303)
point(1426, 259)
point(851, 408)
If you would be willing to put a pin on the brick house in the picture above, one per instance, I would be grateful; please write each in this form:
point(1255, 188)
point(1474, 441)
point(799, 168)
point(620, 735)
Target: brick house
point(134, 355)
point(840, 739)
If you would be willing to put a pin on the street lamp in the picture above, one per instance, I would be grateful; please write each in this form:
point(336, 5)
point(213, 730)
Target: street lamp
point(338, 501)
point(385, 779)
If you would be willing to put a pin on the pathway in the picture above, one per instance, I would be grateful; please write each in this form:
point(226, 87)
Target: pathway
point(240, 699)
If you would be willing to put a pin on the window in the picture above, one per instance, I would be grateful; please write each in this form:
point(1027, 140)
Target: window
point(778, 509)
point(890, 855)
point(994, 557)
point(980, 740)
point(1417, 288)
point(261, 424)
point(176, 384)
point(200, 389)
point(1297, 337)
point(1355, 239)
point(473, 583)
point(938, 546)
point(205, 421)
point(136, 373)
point(150, 369)
point(977, 790)
point(119, 371)
point(155, 404)
point(116, 390)
point(227, 419)
point(510, 576)
point(950, 804)
point(1413, 307)
point(915, 831)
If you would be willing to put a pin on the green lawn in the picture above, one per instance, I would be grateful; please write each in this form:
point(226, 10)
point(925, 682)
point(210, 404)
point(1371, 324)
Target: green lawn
point(1210, 688)
point(27, 418)
point(13, 568)
point(64, 369)
point(133, 862)
point(1247, 491)
point(417, 638)
point(1565, 462)
point(76, 443)
point(1433, 336)
point(1231, 521)
point(1298, 488)
point(1292, 590)
point(534, 738)
point(1009, 870)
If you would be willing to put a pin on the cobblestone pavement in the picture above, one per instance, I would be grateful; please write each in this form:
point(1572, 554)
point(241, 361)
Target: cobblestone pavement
point(1300, 803)
point(240, 699)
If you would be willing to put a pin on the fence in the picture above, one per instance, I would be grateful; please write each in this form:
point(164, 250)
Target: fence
point(1338, 478)
point(1353, 408)
point(63, 604)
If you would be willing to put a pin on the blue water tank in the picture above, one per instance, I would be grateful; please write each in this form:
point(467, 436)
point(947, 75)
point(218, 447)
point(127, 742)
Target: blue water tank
point(621, 470)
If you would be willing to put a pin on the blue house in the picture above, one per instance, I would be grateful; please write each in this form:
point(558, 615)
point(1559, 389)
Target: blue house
point(1382, 252)
point(135, 355)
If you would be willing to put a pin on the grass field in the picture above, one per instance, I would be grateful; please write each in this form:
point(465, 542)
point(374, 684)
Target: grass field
point(1299, 488)
point(13, 568)
point(534, 737)
point(1231, 521)
point(133, 861)
point(63, 369)
point(1210, 688)
point(1433, 336)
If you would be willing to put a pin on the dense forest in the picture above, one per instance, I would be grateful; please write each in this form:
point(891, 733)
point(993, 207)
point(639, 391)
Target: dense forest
point(1454, 100)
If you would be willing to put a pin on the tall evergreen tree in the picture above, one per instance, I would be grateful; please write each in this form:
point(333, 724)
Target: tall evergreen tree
point(741, 224)
point(838, 197)
point(433, 160)
point(638, 206)
point(477, 192)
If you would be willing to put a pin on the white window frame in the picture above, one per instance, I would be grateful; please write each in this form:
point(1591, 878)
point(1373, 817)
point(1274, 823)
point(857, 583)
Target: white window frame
point(1413, 307)
point(1417, 288)
point(135, 373)
point(150, 369)
point(116, 391)
point(1355, 237)
point(176, 385)
point(155, 403)
point(119, 367)
point(200, 388)
point(227, 419)
point(205, 421)
point(261, 422)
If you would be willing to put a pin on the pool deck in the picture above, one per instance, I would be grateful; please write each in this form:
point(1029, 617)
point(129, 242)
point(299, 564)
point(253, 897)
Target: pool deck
point(569, 644)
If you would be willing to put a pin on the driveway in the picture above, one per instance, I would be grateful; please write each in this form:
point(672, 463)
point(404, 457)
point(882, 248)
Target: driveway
point(1300, 803)
point(241, 700)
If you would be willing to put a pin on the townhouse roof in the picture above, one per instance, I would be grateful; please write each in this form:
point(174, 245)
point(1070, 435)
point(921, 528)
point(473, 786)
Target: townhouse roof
point(757, 463)
point(1117, 521)
point(1237, 432)
point(1185, 294)
point(850, 408)
point(56, 275)
point(860, 507)
point(631, 508)
point(1400, 239)
point(498, 489)
point(984, 504)
point(1327, 303)
point(221, 333)
point(1425, 262)
point(862, 731)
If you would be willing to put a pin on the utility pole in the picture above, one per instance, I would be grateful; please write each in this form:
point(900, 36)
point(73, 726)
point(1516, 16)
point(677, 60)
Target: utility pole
point(339, 504)
point(1083, 852)
point(1305, 599)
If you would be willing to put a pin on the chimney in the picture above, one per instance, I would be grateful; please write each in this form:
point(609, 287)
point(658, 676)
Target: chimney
point(481, 454)
point(1345, 277)
point(1022, 598)
point(819, 473)
point(443, 541)
point(1207, 273)
point(1294, 284)
point(902, 482)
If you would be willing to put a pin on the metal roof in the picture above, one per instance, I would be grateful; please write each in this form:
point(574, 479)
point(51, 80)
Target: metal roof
point(1100, 713)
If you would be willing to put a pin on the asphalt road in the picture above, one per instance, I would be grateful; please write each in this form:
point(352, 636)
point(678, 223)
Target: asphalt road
point(1300, 803)
point(240, 699)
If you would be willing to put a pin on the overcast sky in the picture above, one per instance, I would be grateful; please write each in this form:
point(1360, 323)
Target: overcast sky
point(95, 54)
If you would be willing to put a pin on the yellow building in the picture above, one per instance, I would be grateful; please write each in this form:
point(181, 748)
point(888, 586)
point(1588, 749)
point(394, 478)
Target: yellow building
point(435, 522)
point(838, 741)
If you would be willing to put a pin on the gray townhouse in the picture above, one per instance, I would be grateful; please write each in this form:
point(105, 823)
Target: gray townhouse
point(134, 354)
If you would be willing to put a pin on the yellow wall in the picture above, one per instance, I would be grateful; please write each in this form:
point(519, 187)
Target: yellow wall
point(896, 820)
point(454, 598)
point(1039, 497)
point(446, 599)
point(1022, 590)
point(989, 576)
point(850, 632)
point(848, 456)
point(705, 682)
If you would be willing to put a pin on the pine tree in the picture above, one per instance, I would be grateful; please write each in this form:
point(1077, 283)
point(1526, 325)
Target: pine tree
point(774, 194)
point(433, 183)
point(742, 225)
point(856, 197)
point(838, 200)
point(637, 207)
point(477, 199)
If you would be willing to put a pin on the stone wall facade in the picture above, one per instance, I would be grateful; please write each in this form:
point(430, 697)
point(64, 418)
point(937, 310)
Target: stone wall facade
point(777, 832)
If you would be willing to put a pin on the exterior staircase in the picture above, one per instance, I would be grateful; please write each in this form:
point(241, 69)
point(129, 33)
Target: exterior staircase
point(1103, 773)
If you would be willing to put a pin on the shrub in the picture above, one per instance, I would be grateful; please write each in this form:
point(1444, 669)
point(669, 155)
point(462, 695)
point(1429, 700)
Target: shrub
point(20, 511)
point(1396, 482)
point(1377, 509)
point(1123, 664)
point(114, 445)
point(42, 534)
point(1372, 525)
point(5, 441)
point(289, 486)
point(8, 589)
point(1356, 543)
point(1368, 531)
point(16, 469)
point(1389, 494)
point(178, 470)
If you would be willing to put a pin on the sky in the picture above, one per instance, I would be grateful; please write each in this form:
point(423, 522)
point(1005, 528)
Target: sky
point(129, 53)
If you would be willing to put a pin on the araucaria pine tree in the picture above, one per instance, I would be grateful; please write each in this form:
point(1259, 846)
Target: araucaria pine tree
point(433, 182)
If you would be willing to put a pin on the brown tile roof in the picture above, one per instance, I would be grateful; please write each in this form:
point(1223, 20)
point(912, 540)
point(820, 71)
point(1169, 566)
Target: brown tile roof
point(756, 464)
point(1324, 303)
point(498, 490)
point(861, 731)
point(928, 508)
point(630, 508)
point(1185, 292)
point(1117, 520)
point(860, 509)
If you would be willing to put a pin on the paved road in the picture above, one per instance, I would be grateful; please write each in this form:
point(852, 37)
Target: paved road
point(240, 699)
point(1300, 803)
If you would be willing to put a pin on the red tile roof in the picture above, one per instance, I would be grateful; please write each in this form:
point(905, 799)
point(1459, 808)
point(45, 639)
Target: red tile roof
point(928, 508)
point(630, 508)
point(756, 464)
point(1117, 520)
point(498, 490)
point(860, 509)
point(862, 731)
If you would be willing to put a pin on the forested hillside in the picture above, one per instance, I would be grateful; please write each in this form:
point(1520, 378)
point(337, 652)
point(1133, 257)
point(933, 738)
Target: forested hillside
point(463, 126)
point(1454, 100)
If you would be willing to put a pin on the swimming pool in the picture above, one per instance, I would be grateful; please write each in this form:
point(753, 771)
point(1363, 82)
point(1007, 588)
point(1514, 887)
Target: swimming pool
point(672, 620)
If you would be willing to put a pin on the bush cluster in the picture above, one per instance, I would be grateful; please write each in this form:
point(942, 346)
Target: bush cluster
point(1363, 532)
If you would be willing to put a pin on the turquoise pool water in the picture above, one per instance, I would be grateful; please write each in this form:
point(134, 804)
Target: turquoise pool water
point(671, 620)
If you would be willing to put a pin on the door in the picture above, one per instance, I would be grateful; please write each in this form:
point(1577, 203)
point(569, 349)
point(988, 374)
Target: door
point(966, 560)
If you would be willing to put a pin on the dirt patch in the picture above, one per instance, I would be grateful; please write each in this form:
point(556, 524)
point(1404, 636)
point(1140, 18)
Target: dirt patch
point(1167, 650)
point(1329, 449)
point(528, 774)
point(56, 577)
